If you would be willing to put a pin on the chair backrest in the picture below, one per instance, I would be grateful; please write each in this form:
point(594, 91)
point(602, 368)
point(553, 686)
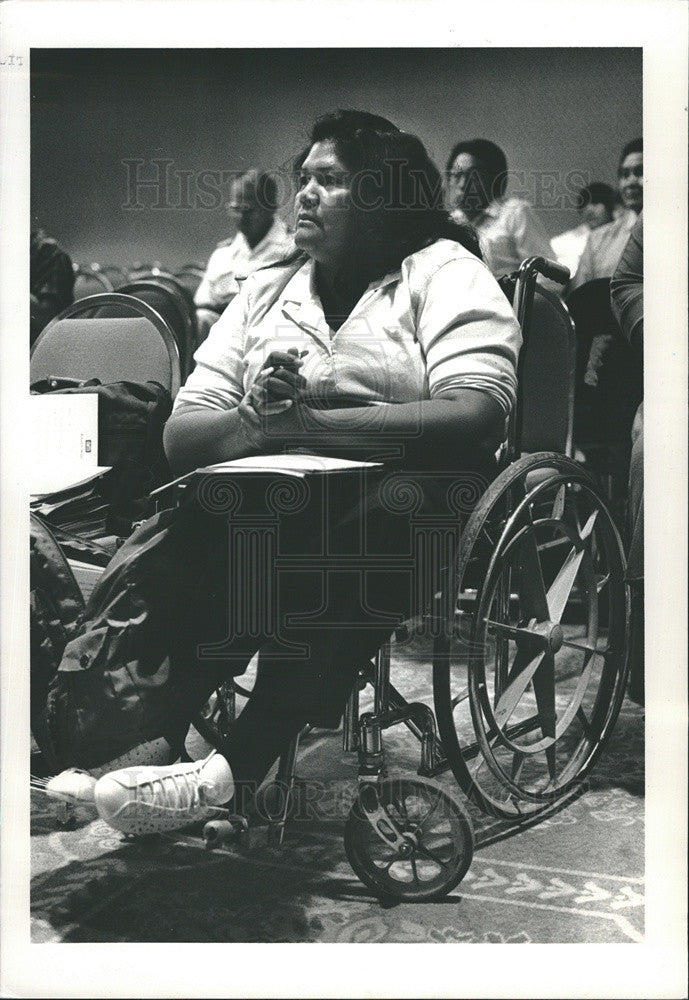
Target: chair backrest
point(134, 348)
point(190, 277)
point(546, 378)
point(175, 304)
point(115, 274)
point(89, 282)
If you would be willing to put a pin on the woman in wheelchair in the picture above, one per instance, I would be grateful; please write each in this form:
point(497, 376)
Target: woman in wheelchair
point(383, 337)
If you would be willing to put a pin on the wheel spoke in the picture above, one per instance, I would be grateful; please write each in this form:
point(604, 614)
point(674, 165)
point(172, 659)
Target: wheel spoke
point(554, 543)
point(485, 532)
point(422, 849)
point(561, 587)
point(462, 696)
point(518, 760)
point(523, 674)
point(544, 689)
point(401, 803)
point(583, 648)
point(559, 503)
point(502, 652)
point(480, 762)
point(534, 601)
point(602, 581)
point(515, 732)
point(414, 871)
point(550, 756)
point(512, 631)
point(586, 725)
point(420, 826)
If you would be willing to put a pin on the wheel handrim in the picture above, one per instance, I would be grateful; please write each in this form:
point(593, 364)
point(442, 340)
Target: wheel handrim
point(497, 769)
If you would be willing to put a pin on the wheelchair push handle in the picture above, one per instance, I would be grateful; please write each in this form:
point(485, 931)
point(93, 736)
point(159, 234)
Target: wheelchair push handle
point(548, 268)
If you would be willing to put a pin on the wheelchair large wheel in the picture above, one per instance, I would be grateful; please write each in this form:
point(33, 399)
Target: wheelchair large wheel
point(436, 840)
point(531, 671)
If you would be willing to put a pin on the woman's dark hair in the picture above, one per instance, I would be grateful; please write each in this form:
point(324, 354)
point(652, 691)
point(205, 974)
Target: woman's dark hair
point(492, 160)
point(397, 190)
point(635, 146)
point(597, 194)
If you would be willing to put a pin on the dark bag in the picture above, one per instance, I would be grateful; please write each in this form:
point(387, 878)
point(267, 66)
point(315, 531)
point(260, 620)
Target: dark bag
point(131, 417)
point(57, 614)
point(131, 672)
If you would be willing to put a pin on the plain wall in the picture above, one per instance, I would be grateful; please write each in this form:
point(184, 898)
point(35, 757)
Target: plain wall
point(561, 115)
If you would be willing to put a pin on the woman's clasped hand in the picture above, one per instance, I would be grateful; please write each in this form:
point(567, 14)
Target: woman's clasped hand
point(277, 387)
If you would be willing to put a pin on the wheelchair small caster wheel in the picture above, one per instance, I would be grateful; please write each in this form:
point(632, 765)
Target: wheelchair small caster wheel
point(407, 839)
point(220, 832)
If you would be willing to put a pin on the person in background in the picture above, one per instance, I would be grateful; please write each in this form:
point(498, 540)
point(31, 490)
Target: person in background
point(627, 299)
point(604, 245)
point(596, 209)
point(51, 281)
point(508, 228)
point(261, 239)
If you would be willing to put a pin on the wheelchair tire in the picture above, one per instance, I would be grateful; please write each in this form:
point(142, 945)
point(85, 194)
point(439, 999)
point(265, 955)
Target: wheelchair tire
point(533, 662)
point(439, 834)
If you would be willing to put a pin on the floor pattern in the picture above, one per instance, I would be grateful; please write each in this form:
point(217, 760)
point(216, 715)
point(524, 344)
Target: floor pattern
point(576, 875)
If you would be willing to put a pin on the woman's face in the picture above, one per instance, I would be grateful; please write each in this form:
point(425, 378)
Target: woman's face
point(323, 208)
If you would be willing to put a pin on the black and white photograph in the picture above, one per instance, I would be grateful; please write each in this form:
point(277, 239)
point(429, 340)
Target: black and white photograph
point(343, 498)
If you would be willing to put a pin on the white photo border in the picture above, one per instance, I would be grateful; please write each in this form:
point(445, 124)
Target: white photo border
point(658, 967)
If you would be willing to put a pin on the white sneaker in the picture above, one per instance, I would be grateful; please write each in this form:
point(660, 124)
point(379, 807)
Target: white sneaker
point(143, 800)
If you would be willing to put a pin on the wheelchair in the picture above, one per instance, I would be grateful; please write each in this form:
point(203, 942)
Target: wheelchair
point(529, 665)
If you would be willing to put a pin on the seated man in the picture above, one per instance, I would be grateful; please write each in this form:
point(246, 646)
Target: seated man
point(610, 390)
point(604, 245)
point(627, 295)
point(51, 281)
point(261, 239)
point(596, 205)
point(508, 228)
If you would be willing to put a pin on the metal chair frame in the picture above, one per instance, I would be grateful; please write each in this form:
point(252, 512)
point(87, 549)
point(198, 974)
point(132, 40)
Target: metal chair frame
point(97, 275)
point(167, 283)
point(94, 302)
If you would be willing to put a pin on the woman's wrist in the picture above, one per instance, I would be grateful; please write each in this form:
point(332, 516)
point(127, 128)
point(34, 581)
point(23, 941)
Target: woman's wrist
point(249, 434)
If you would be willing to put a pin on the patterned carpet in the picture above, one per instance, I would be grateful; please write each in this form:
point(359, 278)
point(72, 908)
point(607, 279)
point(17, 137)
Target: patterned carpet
point(574, 876)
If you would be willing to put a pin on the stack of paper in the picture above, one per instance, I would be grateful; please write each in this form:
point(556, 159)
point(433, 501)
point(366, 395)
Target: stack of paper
point(78, 508)
point(286, 464)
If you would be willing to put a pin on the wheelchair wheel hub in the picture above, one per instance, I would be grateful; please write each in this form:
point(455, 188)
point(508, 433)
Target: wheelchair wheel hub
point(551, 634)
point(546, 635)
point(408, 845)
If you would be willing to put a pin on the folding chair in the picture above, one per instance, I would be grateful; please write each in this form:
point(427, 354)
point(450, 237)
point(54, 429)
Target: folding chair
point(136, 348)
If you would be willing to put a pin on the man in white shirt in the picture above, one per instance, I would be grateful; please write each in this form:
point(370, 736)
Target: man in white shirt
point(596, 207)
point(605, 245)
point(261, 239)
point(509, 230)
